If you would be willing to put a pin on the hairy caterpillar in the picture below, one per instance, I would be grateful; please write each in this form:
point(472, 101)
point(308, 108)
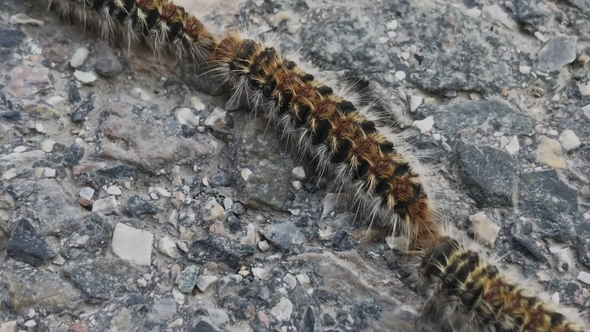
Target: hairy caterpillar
point(345, 140)
point(162, 23)
point(463, 287)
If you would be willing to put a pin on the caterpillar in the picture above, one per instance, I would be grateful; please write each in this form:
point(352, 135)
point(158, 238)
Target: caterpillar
point(161, 23)
point(367, 161)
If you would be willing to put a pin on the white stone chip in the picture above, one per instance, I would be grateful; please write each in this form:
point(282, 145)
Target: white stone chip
point(132, 244)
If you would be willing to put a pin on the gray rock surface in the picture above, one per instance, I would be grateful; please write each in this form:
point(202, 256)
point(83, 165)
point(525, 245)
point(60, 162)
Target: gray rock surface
point(273, 259)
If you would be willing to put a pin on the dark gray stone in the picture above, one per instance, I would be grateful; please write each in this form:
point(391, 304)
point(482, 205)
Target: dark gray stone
point(73, 155)
point(552, 203)
point(10, 37)
point(488, 174)
point(490, 115)
point(463, 56)
point(107, 63)
point(284, 235)
point(207, 250)
point(136, 207)
point(528, 13)
point(219, 180)
point(99, 232)
point(87, 105)
point(342, 241)
point(582, 5)
point(330, 27)
point(258, 150)
point(238, 208)
point(26, 245)
point(558, 52)
point(56, 208)
point(187, 279)
point(203, 326)
point(91, 282)
point(164, 308)
point(115, 175)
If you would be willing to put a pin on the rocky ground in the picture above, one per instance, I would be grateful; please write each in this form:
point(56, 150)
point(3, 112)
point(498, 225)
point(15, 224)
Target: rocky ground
point(132, 200)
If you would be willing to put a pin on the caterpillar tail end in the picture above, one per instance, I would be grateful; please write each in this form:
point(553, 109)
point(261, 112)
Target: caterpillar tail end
point(472, 295)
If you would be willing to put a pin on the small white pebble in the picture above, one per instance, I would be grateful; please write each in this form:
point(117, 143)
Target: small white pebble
point(245, 173)
point(391, 25)
point(584, 277)
point(55, 100)
point(87, 193)
point(512, 147)
point(296, 185)
point(298, 173)
point(85, 77)
point(79, 57)
point(47, 146)
point(50, 172)
point(114, 190)
point(383, 40)
point(424, 125)
point(400, 75)
point(142, 282)
point(20, 149)
point(263, 246)
point(415, 102)
point(139, 93)
point(197, 104)
point(569, 141)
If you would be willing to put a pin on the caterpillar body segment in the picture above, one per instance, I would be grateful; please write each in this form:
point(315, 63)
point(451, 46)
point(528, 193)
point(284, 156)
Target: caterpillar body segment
point(162, 23)
point(340, 136)
point(474, 295)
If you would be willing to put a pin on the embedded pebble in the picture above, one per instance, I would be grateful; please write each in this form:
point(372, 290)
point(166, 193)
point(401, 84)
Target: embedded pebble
point(20, 149)
point(23, 19)
point(282, 311)
point(9, 326)
point(391, 25)
point(164, 308)
point(197, 104)
point(178, 296)
point(298, 173)
point(569, 141)
point(85, 77)
point(87, 193)
point(105, 205)
point(27, 80)
point(55, 101)
point(114, 190)
point(259, 273)
point(245, 174)
point(140, 94)
point(558, 52)
point(49, 172)
point(187, 279)
point(484, 230)
point(424, 125)
point(263, 246)
point(9, 174)
point(512, 147)
point(168, 247)
point(204, 282)
point(584, 277)
point(415, 102)
point(79, 57)
point(400, 75)
point(217, 119)
point(251, 237)
point(47, 146)
point(586, 110)
point(290, 280)
point(186, 117)
point(132, 244)
point(213, 211)
point(549, 153)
